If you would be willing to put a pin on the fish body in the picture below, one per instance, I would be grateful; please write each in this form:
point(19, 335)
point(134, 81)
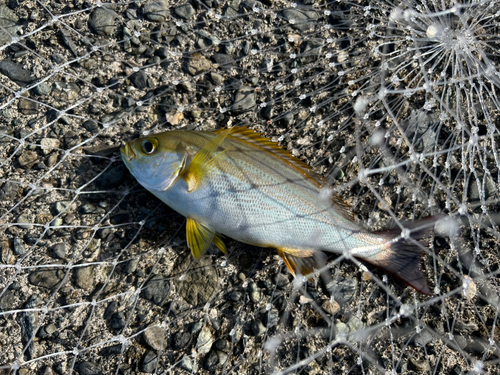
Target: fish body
point(236, 183)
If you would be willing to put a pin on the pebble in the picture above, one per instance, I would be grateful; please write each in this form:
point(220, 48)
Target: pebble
point(185, 11)
point(204, 341)
point(28, 324)
point(15, 72)
point(182, 339)
point(9, 191)
point(423, 338)
point(156, 11)
point(64, 206)
point(154, 337)
point(28, 107)
point(7, 301)
point(186, 363)
point(48, 144)
point(281, 280)
point(59, 250)
point(149, 363)
point(244, 100)
point(118, 321)
point(224, 61)
point(217, 79)
point(139, 79)
point(255, 293)
point(211, 360)
point(486, 185)
point(24, 222)
point(46, 278)
point(42, 89)
point(89, 368)
point(198, 64)
point(84, 277)
point(304, 19)
point(110, 310)
point(111, 179)
point(102, 21)
point(272, 318)
point(156, 290)
point(47, 330)
point(258, 328)
point(344, 291)
point(19, 248)
point(8, 21)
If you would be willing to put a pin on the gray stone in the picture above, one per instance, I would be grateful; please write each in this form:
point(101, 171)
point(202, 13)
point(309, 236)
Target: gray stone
point(111, 179)
point(185, 11)
point(486, 186)
point(156, 11)
point(64, 206)
point(149, 363)
point(28, 159)
point(303, 19)
point(182, 339)
point(187, 364)
point(156, 290)
point(197, 64)
point(8, 27)
point(258, 328)
point(18, 244)
point(16, 72)
point(9, 191)
point(7, 301)
point(272, 318)
point(89, 368)
point(42, 89)
point(345, 290)
point(59, 250)
point(139, 79)
point(154, 337)
point(46, 278)
point(28, 322)
point(24, 222)
point(224, 61)
point(84, 277)
point(217, 79)
point(423, 338)
point(102, 21)
point(204, 341)
point(118, 321)
point(282, 280)
point(244, 100)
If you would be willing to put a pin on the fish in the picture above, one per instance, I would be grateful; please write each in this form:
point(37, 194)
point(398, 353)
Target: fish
point(236, 183)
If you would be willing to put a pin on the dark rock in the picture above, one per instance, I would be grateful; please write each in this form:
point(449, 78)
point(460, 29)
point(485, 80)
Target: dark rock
point(224, 61)
point(15, 72)
point(59, 250)
point(282, 280)
point(110, 310)
point(200, 283)
point(244, 100)
point(185, 11)
point(182, 339)
point(8, 27)
point(423, 338)
point(139, 79)
point(156, 290)
point(27, 322)
point(46, 278)
point(303, 19)
point(111, 179)
point(149, 363)
point(102, 21)
point(89, 368)
point(28, 107)
point(18, 245)
point(119, 219)
point(258, 328)
point(7, 301)
point(211, 360)
point(345, 290)
point(118, 321)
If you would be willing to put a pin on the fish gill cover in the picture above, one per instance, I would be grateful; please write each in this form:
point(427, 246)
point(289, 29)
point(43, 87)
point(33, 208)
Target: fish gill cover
point(395, 103)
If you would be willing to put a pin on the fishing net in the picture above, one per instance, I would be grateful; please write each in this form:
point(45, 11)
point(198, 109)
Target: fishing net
point(395, 103)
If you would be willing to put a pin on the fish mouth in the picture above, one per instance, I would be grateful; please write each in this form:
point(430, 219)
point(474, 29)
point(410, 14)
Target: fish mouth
point(127, 152)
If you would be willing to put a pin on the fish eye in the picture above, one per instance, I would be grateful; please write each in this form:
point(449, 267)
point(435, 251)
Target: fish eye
point(148, 147)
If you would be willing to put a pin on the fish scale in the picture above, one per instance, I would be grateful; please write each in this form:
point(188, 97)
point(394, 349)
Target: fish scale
point(236, 183)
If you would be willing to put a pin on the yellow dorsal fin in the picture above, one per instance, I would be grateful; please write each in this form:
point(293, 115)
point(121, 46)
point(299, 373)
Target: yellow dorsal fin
point(243, 133)
point(199, 238)
point(203, 161)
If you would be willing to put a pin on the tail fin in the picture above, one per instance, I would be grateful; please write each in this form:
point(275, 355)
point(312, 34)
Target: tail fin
point(403, 257)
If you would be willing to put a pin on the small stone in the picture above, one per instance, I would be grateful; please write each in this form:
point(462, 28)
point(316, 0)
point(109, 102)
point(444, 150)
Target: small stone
point(198, 64)
point(331, 307)
point(19, 248)
point(28, 159)
point(211, 360)
point(185, 11)
point(235, 296)
point(139, 79)
point(6, 255)
point(205, 341)
point(9, 191)
point(46, 278)
point(224, 61)
point(200, 283)
point(187, 364)
point(156, 290)
point(182, 339)
point(102, 21)
point(345, 290)
point(64, 206)
point(303, 19)
point(421, 366)
point(111, 179)
point(42, 89)
point(149, 363)
point(222, 344)
point(118, 321)
point(255, 293)
point(423, 338)
point(244, 100)
point(156, 11)
point(258, 327)
point(272, 318)
point(89, 368)
point(8, 23)
point(84, 277)
point(281, 280)
point(59, 250)
point(24, 222)
point(154, 337)
point(49, 144)
point(28, 107)
point(15, 71)
point(174, 117)
point(217, 79)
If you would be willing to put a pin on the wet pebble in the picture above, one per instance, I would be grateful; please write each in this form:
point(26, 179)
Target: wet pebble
point(156, 290)
point(149, 363)
point(185, 11)
point(244, 100)
point(154, 337)
point(102, 21)
point(89, 368)
point(47, 330)
point(46, 278)
point(84, 277)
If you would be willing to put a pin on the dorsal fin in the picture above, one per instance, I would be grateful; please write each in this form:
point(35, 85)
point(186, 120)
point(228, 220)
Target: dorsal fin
point(243, 133)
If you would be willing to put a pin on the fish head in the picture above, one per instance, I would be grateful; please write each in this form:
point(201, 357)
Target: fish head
point(155, 161)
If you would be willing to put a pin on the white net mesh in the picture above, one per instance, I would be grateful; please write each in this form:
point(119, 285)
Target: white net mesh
point(395, 102)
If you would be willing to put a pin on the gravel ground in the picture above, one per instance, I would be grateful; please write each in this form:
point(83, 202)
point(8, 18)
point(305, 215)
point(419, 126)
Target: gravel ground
point(95, 275)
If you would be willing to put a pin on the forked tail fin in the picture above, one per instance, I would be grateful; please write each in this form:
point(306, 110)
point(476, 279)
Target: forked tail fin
point(403, 257)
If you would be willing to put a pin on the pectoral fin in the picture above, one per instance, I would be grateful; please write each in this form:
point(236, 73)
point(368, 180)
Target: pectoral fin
point(302, 261)
point(203, 161)
point(200, 237)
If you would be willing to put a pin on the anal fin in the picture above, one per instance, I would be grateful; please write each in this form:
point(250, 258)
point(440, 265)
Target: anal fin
point(302, 261)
